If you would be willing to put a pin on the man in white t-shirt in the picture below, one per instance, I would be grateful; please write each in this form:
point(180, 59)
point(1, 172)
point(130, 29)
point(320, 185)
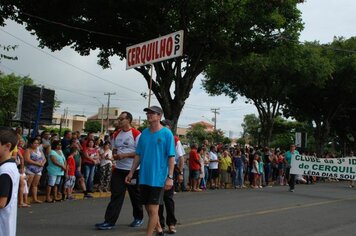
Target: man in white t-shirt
point(124, 142)
point(213, 167)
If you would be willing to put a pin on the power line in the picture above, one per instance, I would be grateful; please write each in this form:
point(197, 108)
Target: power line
point(76, 28)
point(69, 64)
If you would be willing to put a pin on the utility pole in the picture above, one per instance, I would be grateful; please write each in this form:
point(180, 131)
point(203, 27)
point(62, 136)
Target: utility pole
point(107, 113)
point(101, 115)
point(215, 111)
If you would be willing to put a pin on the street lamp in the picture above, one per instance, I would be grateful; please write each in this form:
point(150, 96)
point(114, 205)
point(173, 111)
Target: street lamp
point(102, 115)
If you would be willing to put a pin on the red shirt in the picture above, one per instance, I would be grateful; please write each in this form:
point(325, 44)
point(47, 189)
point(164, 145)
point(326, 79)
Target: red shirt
point(194, 160)
point(71, 165)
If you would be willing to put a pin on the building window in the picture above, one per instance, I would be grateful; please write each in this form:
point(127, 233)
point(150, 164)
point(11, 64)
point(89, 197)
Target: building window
point(116, 112)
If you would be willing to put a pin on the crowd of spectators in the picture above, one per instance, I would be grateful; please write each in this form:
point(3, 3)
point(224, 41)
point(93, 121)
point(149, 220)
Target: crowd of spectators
point(56, 166)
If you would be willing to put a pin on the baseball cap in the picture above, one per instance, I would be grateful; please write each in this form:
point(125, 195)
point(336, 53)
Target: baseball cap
point(167, 123)
point(156, 109)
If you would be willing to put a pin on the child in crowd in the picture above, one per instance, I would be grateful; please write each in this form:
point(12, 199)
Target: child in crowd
point(70, 175)
point(9, 182)
point(255, 171)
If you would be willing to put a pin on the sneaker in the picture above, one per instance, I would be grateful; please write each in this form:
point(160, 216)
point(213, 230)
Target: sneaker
point(136, 223)
point(291, 190)
point(104, 226)
point(88, 196)
point(161, 233)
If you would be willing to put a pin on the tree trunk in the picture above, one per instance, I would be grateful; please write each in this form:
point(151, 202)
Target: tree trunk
point(321, 133)
point(167, 73)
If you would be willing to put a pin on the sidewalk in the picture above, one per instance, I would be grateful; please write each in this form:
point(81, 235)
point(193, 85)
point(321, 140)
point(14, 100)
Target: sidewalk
point(77, 196)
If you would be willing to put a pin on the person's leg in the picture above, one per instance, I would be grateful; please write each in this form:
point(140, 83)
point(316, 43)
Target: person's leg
point(21, 190)
point(291, 182)
point(135, 197)
point(118, 190)
point(35, 182)
point(48, 193)
point(108, 171)
point(153, 219)
point(170, 207)
point(55, 192)
point(161, 215)
point(91, 178)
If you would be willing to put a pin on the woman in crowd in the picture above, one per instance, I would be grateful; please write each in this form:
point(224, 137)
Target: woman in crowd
point(202, 172)
point(34, 162)
point(23, 189)
point(105, 169)
point(56, 169)
point(238, 166)
point(90, 160)
point(225, 166)
point(281, 168)
point(255, 171)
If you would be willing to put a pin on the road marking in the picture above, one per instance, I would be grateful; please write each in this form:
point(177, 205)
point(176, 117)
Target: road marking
point(263, 212)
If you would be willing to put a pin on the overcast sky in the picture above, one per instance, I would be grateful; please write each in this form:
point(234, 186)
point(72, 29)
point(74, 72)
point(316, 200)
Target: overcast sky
point(77, 79)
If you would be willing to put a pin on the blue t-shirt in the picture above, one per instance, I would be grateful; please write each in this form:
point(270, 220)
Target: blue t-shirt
point(154, 150)
point(52, 168)
point(289, 155)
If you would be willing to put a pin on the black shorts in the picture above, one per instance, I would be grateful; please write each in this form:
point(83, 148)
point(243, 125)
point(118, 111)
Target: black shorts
point(214, 173)
point(151, 195)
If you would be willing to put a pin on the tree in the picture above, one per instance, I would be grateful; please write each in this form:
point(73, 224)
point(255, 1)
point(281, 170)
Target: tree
point(197, 134)
point(9, 87)
point(213, 29)
point(6, 49)
point(250, 127)
point(143, 126)
point(321, 103)
point(92, 126)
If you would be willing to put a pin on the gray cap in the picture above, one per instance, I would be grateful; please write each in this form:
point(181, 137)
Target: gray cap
point(154, 109)
point(167, 123)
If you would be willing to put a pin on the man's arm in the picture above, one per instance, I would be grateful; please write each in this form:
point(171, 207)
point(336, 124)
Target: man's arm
point(5, 191)
point(169, 181)
point(135, 164)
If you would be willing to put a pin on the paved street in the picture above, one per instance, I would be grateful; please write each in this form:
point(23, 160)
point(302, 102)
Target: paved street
point(321, 209)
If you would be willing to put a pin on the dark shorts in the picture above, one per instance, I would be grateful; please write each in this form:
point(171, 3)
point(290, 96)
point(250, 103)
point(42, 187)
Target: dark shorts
point(78, 174)
point(194, 174)
point(151, 195)
point(214, 173)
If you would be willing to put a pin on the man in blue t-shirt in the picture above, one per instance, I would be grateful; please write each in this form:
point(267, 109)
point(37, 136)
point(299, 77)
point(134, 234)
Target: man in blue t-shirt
point(155, 154)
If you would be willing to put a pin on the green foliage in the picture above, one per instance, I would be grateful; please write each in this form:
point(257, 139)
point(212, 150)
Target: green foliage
point(250, 127)
point(143, 126)
point(6, 50)
point(198, 134)
point(56, 131)
point(92, 126)
point(9, 87)
point(333, 98)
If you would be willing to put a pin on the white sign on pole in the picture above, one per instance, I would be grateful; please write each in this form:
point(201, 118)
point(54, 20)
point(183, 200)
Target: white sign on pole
point(155, 50)
point(339, 168)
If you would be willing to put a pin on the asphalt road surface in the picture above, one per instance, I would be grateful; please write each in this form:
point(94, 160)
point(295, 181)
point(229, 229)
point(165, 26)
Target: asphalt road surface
point(320, 209)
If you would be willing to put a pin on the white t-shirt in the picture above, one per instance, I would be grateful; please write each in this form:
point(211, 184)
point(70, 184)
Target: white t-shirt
point(213, 157)
point(8, 214)
point(104, 161)
point(125, 142)
point(179, 151)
